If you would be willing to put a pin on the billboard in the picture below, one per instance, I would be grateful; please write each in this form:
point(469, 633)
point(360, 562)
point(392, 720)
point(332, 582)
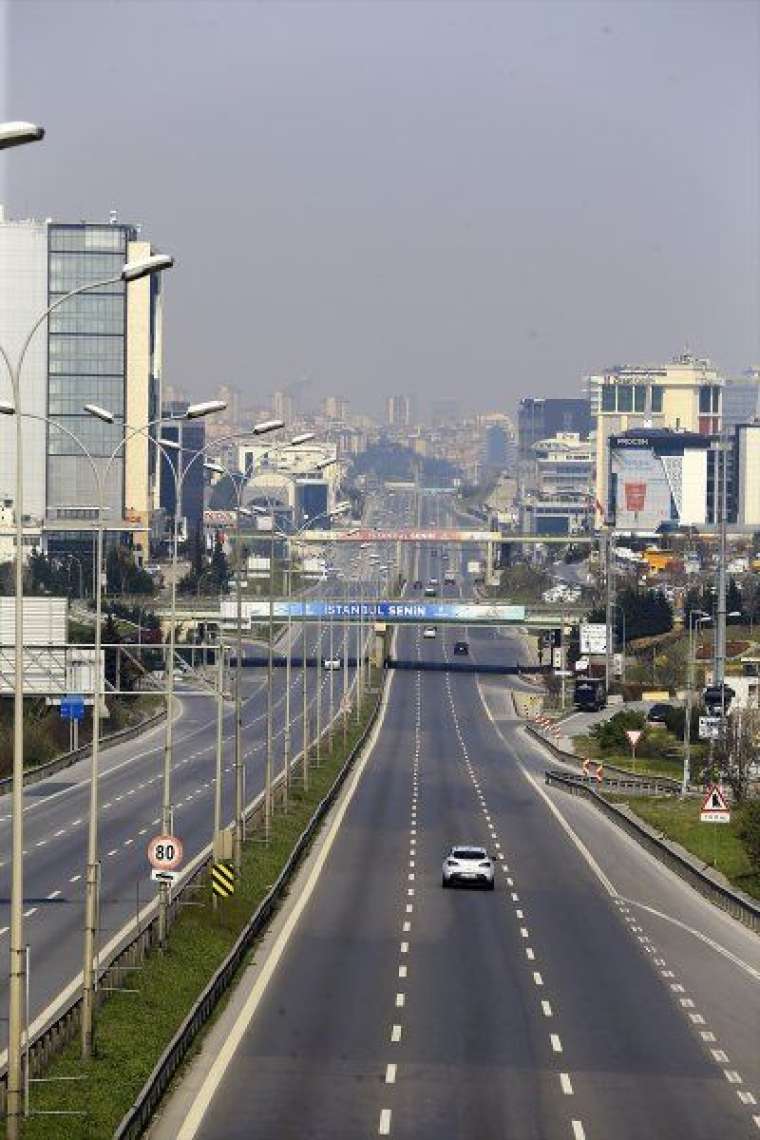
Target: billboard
point(642, 497)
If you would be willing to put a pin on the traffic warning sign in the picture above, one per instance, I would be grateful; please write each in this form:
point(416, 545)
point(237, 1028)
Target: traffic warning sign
point(715, 809)
point(223, 880)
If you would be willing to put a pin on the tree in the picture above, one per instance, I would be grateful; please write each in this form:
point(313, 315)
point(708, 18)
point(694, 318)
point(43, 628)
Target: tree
point(219, 565)
point(749, 831)
point(610, 734)
point(737, 751)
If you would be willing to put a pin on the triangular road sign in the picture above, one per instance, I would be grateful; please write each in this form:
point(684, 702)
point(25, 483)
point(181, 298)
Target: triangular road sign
point(715, 807)
point(715, 800)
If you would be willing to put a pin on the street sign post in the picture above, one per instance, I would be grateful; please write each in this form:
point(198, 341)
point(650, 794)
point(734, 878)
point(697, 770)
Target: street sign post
point(709, 728)
point(223, 879)
point(634, 736)
point(715, 807)
point(165, 852)
point(72, 707)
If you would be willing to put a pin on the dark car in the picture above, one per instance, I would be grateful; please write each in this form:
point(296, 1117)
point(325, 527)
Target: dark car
point(461, 648)
point(658, 714)
point(431, 592)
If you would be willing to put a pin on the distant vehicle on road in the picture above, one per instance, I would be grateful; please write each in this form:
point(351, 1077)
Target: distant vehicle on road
point(658, 714)
point(590, 694)
point(332, 663)
point(429, 631)
point(417, 584)
point(431, 592)
point(432, 581)
point(449, 580)
point(468, 865)
point(461, 649)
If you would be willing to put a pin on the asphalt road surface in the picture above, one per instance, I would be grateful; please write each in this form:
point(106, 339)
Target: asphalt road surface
point(590, 996)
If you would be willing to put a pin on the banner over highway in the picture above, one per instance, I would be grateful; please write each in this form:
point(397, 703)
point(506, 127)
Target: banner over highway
point(369, 534)
point(462, 613)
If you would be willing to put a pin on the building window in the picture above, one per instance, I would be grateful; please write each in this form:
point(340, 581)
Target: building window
point(608, 398)
point(656, 398)
point(639, 398)
point(625, 398)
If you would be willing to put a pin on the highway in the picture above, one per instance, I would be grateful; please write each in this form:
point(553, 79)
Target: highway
point(56, 815)
point(592, 995)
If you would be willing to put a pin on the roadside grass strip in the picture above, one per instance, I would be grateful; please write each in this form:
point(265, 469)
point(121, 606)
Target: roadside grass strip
point(133, 1029)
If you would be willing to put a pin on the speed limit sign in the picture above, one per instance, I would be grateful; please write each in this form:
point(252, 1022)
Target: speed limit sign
point(165, 852)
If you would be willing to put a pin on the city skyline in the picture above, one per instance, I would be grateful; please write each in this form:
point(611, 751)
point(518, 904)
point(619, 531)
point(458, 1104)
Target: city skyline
point(584, 221)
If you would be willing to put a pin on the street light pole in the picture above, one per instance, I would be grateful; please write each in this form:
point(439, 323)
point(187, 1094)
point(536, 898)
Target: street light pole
point(17, 134)
point(270, 679)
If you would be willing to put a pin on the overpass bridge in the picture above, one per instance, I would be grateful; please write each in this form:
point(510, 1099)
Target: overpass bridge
point(438, 535)
point(400, 611)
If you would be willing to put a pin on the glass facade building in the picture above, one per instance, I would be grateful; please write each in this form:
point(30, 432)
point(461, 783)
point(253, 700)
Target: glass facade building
point(87, 362)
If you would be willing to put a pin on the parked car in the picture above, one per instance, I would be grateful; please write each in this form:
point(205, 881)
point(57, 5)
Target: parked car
point(658, 714)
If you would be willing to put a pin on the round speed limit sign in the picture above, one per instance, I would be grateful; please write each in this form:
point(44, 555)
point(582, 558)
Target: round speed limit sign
point(165, 852)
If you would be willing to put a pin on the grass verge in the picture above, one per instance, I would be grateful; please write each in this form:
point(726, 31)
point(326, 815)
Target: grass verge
point(716, 844)
point(133, 1029)
point(661, 765)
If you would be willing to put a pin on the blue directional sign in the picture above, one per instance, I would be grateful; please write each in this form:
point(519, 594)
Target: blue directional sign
point(72, 707)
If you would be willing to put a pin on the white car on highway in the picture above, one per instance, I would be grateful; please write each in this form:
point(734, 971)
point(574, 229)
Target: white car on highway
point(429, 631)
point(468, 864)
point(332, 663)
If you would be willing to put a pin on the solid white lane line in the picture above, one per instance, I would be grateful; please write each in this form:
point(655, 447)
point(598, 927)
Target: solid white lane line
point(566, 1084)
point(384, 1127)
point(556, 1043)
point(396, 1034)
point(390, 1074)
point(546, 1008)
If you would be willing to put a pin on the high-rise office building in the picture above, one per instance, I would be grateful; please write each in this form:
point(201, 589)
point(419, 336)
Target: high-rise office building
point(335, 408)
point(684, 395)
point(191, 437)
point(398, 411)
point(283, 406)
point(102, 347)
point(541, 418)
point(741, 399)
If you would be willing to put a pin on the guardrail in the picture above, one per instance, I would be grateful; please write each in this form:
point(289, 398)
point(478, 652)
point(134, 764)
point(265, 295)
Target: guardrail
point(66, 759)
point(140, 936)
point(734, 902)
point(139, 1115)
point(663, 783)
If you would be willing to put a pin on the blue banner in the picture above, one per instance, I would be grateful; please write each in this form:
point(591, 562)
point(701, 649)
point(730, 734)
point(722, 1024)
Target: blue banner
point(470, 613)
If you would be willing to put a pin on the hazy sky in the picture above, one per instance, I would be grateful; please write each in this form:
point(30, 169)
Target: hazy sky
point(478, 200)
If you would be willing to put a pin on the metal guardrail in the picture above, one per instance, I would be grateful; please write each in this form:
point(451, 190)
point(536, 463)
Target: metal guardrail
point(662, 783)
point(140, 1114)
point(735, 903)
point(66, 759)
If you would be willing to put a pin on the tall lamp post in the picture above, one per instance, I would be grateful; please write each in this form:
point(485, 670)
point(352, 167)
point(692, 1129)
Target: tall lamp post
point(131, 271)
point(701, 618)
point(12, 135)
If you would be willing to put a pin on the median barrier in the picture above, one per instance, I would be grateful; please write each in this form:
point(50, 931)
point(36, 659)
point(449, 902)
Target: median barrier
point(735, 903)
point(139, 1115)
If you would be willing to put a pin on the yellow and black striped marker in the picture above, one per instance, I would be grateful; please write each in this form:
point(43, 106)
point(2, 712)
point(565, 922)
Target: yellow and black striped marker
point(223, 880)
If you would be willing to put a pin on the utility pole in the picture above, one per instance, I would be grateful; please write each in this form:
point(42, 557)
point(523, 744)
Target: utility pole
point(720, 615)
point(609, 579)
